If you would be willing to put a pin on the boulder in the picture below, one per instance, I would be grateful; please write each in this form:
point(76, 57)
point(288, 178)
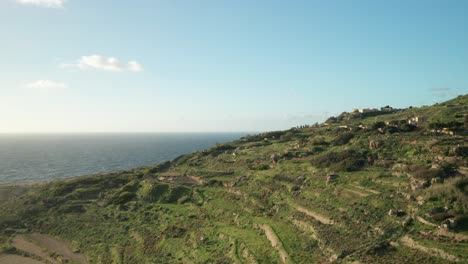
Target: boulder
point(449, 223)
point(275, 158)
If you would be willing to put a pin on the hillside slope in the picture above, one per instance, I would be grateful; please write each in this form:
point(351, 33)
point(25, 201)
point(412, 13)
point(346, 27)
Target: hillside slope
point(363, 188)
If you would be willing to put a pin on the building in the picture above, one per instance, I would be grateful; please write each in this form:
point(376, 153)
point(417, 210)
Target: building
point(417, 120)
point(386, 108)
point(367, 110)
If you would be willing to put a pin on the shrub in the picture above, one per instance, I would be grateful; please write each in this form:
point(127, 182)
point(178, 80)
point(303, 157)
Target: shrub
point(390, 129)
point(131, 186)
point(152, 192)
point(331, 120)
point(319, 141)
point(72, 208)
point(347, 160)
point(452, 125)
point(427, 174)
point(343, 139)
point(259, 167)
point(287, 137)
point(123, 197)
point(453, 192)
point(407, 127)
point(177, 193)
point(84, 193)
point(378, 125)
point(160, 167)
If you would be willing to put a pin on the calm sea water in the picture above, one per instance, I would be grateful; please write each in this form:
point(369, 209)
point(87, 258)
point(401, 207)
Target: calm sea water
point(44, 157)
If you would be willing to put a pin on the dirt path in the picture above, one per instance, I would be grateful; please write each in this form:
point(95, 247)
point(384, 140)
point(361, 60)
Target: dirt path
point(455, 236)
point(322, 219)
point(422, 220)
point(15, 259)
point(365, 189)
point(409, 242)
point(247, 255)
point(306, 228)
point(60, 246)
point(275, 242)
point(358, 193)
point(24, 244)
point(391, 183)
point(444, 233)
point(43, 246)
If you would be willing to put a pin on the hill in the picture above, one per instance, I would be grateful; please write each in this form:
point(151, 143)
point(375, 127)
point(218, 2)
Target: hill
point(368, 186)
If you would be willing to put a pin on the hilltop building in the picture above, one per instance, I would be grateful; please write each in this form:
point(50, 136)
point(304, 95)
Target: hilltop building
point(417, 120)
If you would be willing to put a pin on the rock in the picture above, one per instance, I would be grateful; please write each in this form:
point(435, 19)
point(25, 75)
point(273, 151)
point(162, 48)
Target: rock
point(392, 212)
point(394, 244)
point(407, 222)
point(449, 223)
point(275, 158)
point(395, 212)
point(416, 185)
point(400, 167)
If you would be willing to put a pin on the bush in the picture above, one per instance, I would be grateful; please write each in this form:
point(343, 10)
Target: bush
point(287, 137)
point(451, 125)
point(347, 160)
point(123, 197)
point(177, 193)
point(259, 167)
point(390, 129)
point(378, 125)
point(131, 186)
point(331, 120)
point(423, 172)
point(160, 167)
point(72, 208)
point(454, 193)
point(427, 174)
point(319, 141)
point(407, 127)
point(343, 139)
point(84, 193)
point(152, 192)
point(448, 169)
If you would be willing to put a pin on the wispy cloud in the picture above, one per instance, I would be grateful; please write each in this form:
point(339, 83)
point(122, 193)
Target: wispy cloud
point(440, 89)
point(43, 3)
point(441, 92)
point(99, 62)
point(46, 85)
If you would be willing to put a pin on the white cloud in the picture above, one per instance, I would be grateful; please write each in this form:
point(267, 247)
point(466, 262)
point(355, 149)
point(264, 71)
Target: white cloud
point(43, 3)
point(134, 66)
point(46, 85)
point(99, 62)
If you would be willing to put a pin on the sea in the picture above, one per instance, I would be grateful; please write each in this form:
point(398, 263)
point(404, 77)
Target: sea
point(42, 157)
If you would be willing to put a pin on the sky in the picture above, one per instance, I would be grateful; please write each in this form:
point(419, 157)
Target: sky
point(218, 66)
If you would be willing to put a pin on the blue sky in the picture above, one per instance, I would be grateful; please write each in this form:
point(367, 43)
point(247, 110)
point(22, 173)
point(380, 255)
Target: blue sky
point(162, 66)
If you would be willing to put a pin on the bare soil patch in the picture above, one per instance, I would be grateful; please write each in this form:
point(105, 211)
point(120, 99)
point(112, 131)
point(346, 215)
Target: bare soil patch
point(15, 259)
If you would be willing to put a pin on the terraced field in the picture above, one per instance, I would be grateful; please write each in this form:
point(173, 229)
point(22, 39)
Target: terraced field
point(351, 190)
